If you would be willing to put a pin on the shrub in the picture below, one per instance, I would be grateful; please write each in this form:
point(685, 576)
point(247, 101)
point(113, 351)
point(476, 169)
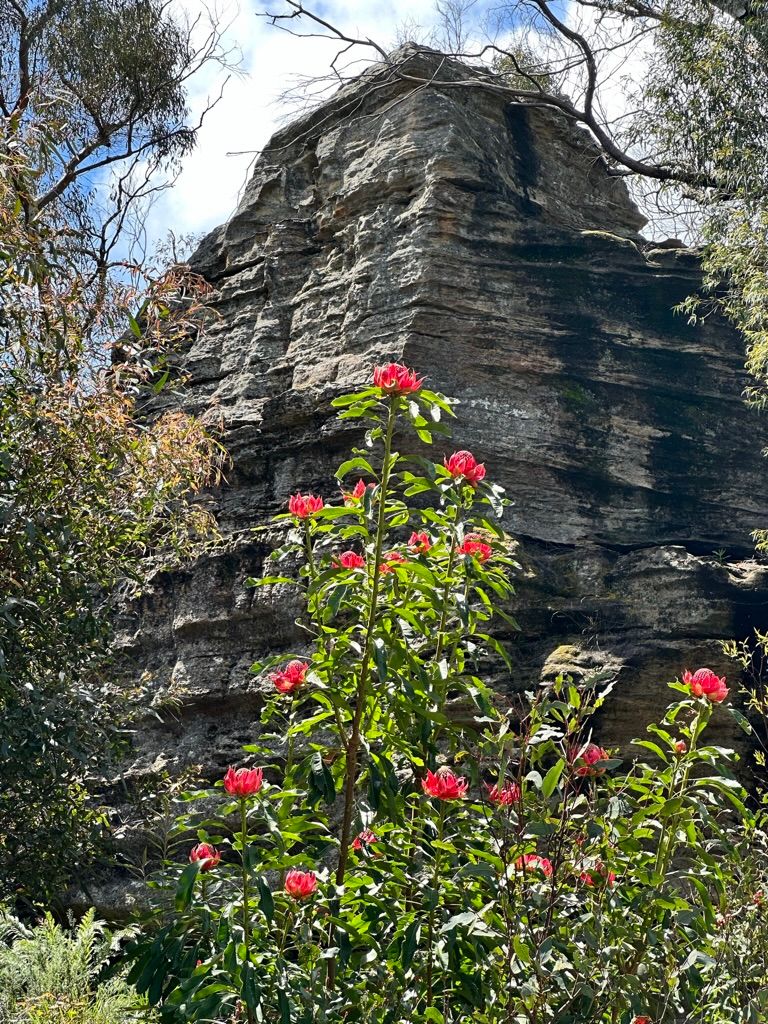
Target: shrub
point(51, 976)
point(410, 847)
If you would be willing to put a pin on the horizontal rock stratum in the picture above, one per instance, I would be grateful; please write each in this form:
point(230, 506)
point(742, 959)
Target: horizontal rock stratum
point(485, 244)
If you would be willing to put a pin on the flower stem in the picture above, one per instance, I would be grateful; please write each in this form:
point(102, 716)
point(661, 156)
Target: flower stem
point(246, 893)
point(308, 550)
point(353, 740)
point(353, 743)
point(436, 898)
point(666, 847)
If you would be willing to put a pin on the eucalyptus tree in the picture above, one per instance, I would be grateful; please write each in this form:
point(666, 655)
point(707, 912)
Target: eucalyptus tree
point(93, 119)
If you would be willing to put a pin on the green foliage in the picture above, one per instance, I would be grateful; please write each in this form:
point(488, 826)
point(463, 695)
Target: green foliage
point(94, 84)
point(703, 112)
point(118, 64)
point(88, 491)
point(592, 893)
point(49, 975)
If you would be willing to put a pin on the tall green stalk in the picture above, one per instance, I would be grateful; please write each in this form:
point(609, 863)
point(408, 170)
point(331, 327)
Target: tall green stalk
point(666, 846)
point(433, 907)
point(353, 742)
point(246, 891)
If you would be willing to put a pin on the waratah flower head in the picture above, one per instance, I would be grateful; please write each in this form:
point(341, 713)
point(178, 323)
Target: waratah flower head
point(396, 379)
point(356, 495)
point(598, 875)
point(364, 839)
point(505, 795)
point(533, 862)
point(419, 543)
point(464, 464)
point(300, 884)
point(349, 560)
point(290, 678)
point(444, 785)
point(476, 547)
point(391, 560)
point(304, 506)
point(587, 759)
point(243, 782)
point(704, 683)
point(205, 855)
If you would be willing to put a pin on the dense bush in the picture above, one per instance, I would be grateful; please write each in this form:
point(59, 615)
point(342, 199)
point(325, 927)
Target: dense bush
point(410, 848)
point(90, 488)
point(51, 976)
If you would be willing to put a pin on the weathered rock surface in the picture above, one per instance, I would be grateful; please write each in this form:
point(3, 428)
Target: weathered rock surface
point(486, 245)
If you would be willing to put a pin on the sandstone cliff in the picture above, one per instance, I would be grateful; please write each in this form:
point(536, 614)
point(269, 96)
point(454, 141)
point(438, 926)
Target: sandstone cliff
point(486, 245)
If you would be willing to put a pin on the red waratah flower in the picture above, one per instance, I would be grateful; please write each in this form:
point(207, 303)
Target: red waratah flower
point(506, 795)
point(475, 546)
point(533, 862)
point(587, 757)
point(704, 683)
point(291, 677)
point(392, 559)
point(349, 560)
point(641, 1020)
point(680, 747)
point(303, 506)
point(598, 875)
point(243, 782)
point(364, 839)
point(464, 464)
point(300, 884)
point(396, 379)
point(419, 543)
point(356, 495)
point(444, 785)
point(205, 855)
point(758, 899)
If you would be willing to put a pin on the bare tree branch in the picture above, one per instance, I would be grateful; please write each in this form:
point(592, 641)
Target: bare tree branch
point(534, 92)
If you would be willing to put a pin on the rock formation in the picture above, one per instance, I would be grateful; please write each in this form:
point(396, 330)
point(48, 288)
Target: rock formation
point(485, 244)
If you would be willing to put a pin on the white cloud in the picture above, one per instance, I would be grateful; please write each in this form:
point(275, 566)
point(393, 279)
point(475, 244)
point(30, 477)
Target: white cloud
point(251, 108)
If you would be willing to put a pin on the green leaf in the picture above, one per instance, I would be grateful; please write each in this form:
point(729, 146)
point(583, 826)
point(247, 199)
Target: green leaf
point(266, 901)
point(739, 719)
point(522, 952)
point(410, 943)
point(158, 386)
point(267, 581)
point(358, 462)
point(133, 323)
point(321, 778)
point(185, 886)
point(344, 400)
point(284, 1005)
point(380, 657)
point(552, 778)
point(462, 920)
point(251, 991)
point(433, 1014)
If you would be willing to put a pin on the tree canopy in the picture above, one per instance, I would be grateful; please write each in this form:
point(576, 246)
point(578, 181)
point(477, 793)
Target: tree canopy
point(92, 483)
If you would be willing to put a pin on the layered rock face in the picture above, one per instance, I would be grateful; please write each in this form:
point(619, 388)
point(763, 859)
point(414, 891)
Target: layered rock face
point(485, 245)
